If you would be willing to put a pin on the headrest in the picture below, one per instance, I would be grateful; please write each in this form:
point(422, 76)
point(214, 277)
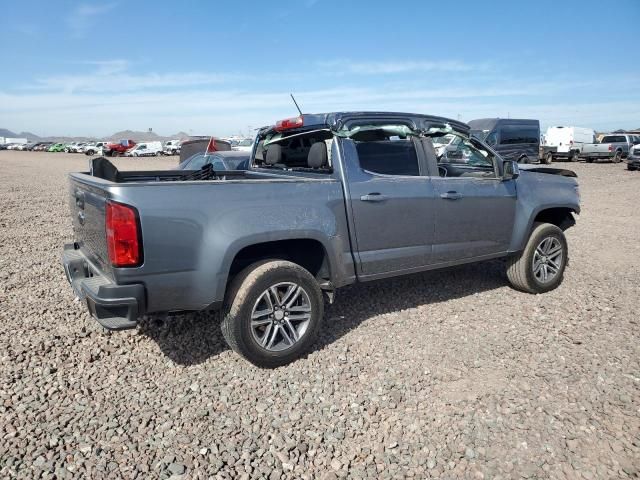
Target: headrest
point(318, 157)
point(274, 154)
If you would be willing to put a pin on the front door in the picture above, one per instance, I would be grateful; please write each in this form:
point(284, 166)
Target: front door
point(475, 208)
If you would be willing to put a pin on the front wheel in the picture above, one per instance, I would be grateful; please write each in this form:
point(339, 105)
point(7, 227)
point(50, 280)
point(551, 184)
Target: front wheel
point(540, 266)
point(575, 156)
point(273, 312)
point(524, 159)
point(548, 159)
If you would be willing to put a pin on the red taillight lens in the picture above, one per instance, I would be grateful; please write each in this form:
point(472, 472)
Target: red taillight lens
point(123, 235)
point(289, 123)
point(610, 148)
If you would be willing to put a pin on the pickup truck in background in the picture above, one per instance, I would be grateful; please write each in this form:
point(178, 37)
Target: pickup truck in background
point(612, 147)
point(328, 200)
point(117, 149)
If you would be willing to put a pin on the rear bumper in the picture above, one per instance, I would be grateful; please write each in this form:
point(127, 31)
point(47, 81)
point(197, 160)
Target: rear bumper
point(115, 307)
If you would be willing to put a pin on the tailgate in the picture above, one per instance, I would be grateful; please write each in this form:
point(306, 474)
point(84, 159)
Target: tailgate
point(87, 203)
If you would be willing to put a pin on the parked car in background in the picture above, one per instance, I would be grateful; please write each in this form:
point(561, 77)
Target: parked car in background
point(613, 146)
point(244, 145)
point(57, 147)
point(116, 149)
point(633, 159)
point(565, 143)
point(94, 148)
point(514, 139)
point(43, 147)
point(146, 149)
point(171, 147)
point(267, 246)
point(228, 160)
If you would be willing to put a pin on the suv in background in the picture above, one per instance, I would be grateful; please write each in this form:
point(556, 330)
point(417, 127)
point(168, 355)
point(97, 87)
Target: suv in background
point(633, 159)
point(514, 139)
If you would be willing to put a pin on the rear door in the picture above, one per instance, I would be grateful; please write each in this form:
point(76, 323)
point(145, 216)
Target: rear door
point(391, 202)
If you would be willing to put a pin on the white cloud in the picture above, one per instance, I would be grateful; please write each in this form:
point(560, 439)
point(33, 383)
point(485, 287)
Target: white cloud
point(83, 18)
point(400, 66)
point(112, 97)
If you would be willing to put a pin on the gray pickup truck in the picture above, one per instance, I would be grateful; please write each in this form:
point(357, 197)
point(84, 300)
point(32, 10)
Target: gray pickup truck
point(329, 200)
point(614, 147)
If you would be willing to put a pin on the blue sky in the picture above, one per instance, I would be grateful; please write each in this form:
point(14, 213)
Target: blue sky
point(92, 68)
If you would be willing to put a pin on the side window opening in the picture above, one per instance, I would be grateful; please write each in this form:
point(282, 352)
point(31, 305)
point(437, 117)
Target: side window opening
point(386, 152)
point(296, 151)
point(463, 157)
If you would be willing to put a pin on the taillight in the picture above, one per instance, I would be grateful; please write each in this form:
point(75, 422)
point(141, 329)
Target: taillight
point(123, 235)
point(610, 148)
point(289, 123)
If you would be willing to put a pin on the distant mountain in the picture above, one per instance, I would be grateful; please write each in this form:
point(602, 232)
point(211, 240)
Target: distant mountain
point(125, 134)
point(144, 136)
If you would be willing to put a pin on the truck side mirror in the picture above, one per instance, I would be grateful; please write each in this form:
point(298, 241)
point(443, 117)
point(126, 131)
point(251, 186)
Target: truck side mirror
point(510, 170)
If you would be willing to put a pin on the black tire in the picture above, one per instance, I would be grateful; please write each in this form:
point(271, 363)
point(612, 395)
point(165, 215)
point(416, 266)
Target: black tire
point(575, 156)
point(589, 160)
point(520, 267)
point(630, 167)
point(617, 158)
point(245, 292)
point(548, 159)
point(89, 152)
point(524, 159)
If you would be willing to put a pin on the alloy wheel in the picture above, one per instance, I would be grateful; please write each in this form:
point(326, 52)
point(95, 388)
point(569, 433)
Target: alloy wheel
point(547, 260)
point(281, 316)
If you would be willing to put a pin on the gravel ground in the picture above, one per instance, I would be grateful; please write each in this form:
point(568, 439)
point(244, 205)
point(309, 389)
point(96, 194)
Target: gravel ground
point(450, 374)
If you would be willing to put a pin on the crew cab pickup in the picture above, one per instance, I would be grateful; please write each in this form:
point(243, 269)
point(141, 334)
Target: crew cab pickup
point(329, 200)
point(612, 147)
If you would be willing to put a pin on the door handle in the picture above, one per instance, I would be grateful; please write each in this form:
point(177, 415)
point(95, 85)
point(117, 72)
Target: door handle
point(451, 195)
point(373, 197)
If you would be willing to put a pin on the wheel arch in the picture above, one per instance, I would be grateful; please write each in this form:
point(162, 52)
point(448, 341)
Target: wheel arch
point(309, 252)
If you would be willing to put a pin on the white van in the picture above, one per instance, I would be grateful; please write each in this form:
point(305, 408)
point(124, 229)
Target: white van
point(567, 142)
point(145, 149)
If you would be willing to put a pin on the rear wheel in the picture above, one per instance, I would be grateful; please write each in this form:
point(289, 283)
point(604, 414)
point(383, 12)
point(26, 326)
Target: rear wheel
point(575, 156)
point(630, 167)
point(617, 158)
point(540, 266)
point(524, 159)
point(548, 159)
point(273, 312)
point(589, 160)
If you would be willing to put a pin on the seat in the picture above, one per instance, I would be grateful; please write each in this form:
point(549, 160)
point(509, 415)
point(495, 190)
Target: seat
point(318, 156)
point(275, 157)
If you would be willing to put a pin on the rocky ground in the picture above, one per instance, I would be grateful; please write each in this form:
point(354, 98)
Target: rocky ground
point(445, 375)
